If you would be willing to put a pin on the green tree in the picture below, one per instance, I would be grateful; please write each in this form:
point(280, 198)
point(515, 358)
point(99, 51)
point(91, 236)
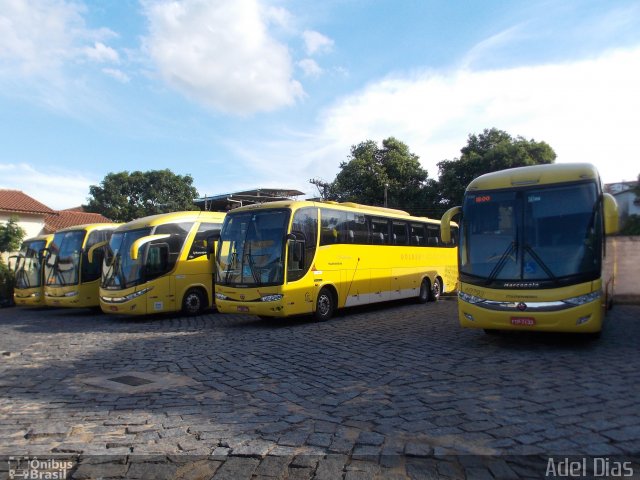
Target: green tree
point(11, 235)
point(490, 151)
point(125, 196)
point(373, 172)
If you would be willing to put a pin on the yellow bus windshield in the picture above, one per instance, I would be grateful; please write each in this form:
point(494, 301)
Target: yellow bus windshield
point(549, 236)
point(251, 249)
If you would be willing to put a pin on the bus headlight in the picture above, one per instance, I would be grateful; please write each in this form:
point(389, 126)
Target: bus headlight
point(582, 299)
point(220, 296)
point(271, 298)
point(469, 298)
point(137, 294)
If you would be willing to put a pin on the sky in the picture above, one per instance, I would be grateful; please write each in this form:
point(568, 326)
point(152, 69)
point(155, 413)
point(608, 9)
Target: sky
point(249, 94)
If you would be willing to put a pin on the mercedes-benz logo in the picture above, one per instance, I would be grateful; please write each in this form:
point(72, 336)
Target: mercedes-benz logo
point(521, 306)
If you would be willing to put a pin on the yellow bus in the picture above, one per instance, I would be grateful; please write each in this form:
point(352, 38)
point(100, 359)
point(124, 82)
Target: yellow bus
point(29, 271)
point(300, 257)
point(161, 263)
point(72, 278)
point(532, 242)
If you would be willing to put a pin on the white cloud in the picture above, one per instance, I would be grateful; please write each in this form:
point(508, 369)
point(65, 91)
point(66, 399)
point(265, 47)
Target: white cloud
point(117, 74)
point(222, 54)
point(55, 187)
point(101, 53)
point(310, 67)
point(586, 110)
point(316, 42)
point(38, 38)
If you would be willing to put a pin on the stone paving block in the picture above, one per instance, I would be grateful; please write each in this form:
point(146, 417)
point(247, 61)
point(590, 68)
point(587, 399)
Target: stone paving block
point(237, 468)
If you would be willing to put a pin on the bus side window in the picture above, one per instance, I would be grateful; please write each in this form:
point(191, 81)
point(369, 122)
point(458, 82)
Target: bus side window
point(417, 235)
point(433, 235)
point(399, 233)
point(379, 231)
point(200, 246)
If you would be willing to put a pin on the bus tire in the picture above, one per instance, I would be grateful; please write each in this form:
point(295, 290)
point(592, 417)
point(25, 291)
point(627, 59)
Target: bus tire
point(423, 295)
point(325, 305)
point(436, 290)
point(194, 302)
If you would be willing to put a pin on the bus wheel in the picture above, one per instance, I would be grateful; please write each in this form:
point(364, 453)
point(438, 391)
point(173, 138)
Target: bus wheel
point(193, 302)
point(423, 296)
point(324, 305)
point(436, 290)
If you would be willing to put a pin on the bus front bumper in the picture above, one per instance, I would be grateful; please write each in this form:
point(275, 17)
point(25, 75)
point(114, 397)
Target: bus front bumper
point(267, 306)
point(125, 302)
point(29, 297)
point(66, 297)
point(539, 316)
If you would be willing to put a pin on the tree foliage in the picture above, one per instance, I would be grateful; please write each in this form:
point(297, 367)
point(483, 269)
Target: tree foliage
point(371, 170)
point(11, 235)
point(125, 196)
point(490, 151)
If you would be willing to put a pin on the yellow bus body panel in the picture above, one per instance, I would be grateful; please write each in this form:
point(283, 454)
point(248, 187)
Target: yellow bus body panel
point(165, 293)
point(359, 274)
point(33, 296)
point(82, 294)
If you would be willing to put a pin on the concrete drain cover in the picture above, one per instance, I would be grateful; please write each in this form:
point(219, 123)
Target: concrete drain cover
point(130, 380)
point(133, 382)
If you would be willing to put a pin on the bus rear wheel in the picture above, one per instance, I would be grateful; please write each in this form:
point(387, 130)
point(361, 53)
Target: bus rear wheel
point(436, 290)
point(325, 305)
point(193, 302)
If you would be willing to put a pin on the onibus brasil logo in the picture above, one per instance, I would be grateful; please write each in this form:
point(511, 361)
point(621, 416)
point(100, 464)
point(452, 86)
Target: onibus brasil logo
point(39, 469)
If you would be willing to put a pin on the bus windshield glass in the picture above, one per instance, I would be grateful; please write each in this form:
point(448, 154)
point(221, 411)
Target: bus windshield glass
point(251, 248)
point(63, 262)
point(546, 234)
point(29, 264)
point(119, 269)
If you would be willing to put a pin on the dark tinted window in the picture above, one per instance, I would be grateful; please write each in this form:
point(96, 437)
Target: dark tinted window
point(200, 244)
point(379, 231)
point(302, 249)
point(399, 232)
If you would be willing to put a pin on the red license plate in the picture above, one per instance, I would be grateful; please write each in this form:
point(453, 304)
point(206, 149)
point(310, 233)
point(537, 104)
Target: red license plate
point(243, 309)
point(523, 321)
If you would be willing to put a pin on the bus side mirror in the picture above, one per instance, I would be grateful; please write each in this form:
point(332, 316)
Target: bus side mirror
point(15, 260)
point(93, 248)
point(610, 214)
point(445, 223)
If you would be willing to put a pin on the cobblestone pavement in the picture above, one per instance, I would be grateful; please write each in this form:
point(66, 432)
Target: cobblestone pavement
point(390, 391)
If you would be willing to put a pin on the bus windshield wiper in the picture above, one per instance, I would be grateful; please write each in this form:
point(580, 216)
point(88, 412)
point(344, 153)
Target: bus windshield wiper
point(513, 246)
point(256, 277)
point(540, 262)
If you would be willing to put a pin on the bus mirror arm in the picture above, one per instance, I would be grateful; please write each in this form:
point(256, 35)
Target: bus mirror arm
point(135, 246)
point(93, 248)
point(445, 223)
point(211, 244)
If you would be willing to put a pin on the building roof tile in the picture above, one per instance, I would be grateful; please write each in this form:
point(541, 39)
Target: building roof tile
point(15, 201)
